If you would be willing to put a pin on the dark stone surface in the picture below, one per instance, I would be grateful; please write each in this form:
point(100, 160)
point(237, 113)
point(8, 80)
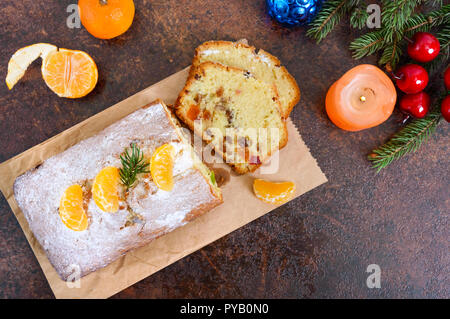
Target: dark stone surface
point(318, 245)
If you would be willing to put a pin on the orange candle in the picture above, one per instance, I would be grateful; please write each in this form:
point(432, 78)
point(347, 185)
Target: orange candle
point(363, 97)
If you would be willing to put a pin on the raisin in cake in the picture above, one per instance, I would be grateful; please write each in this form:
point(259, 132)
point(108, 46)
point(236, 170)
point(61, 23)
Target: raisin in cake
point(109, 235)
point(236, 113)
point(261, 64)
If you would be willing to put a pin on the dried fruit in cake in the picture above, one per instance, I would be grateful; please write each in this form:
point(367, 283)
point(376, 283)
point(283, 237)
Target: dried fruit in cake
point(21, 60)
point(71, 208)
point(70, 73)
point(273, 193)
point(261, 64)
point(161, 167)
point(106, 19)
point(105, 189)
point(240, 115)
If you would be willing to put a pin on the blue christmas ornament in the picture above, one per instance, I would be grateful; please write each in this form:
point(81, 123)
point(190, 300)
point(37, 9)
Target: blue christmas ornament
point(293, 12)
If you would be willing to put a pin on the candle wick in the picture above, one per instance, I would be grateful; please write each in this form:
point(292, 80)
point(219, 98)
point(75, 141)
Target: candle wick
point(362, 98)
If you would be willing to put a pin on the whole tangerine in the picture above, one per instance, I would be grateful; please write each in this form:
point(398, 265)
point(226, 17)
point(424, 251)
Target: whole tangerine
point(106, 19)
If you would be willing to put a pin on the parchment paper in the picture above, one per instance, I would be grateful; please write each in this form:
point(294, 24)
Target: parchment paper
point(239, 208)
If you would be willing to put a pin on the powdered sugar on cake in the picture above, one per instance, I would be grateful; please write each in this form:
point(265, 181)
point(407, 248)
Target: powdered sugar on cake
point(38, 194)
point(209, 52)
point(264, 58)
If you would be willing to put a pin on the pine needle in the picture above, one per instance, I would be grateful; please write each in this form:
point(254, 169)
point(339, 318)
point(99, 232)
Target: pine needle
point(435, 2)
point(133, 164)
point(391, 54)
point(424, 22)
point(443, 36)
point(407, 140)
point(367, 44)
point(328, 17)
point(395, 14)
point(442, 59)
point(359, 16)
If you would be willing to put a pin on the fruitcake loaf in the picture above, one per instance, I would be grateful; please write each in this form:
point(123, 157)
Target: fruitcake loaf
point(83, 211)
point(236, 113)
point(261, 64)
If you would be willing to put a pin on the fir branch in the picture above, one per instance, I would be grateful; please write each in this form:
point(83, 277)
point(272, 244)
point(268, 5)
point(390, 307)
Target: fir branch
point(438, 64)
point(407, 140)
point(395, 14)
point(423, 23)
point(435, 2)
point(391, 40)
point(328, 17)
point(367, 44)
point(359, 16)
point(443, 36)
point(133, 164)
point(391, 54)
point(442, 59)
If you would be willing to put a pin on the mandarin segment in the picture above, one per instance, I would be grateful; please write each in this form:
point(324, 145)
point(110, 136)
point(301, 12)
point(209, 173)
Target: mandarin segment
point(70, 73)
point(161, 167)
point(273, 193)
point(71, 209)
point(105, 189)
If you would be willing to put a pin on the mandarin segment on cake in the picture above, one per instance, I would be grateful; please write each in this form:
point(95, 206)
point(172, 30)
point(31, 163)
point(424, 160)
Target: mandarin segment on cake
point(105, 189)
point(70, 222)
point(235, 112)
point(161, 167)
point(71, 208)
point(261, 64)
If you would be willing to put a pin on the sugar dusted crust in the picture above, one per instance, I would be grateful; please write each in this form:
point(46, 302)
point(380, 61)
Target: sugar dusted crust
point(261, 59)
point(38, 193)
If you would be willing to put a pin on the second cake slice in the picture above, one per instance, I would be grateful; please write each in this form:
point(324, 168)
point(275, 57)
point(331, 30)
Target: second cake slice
point(263, 65)
point(238, 114)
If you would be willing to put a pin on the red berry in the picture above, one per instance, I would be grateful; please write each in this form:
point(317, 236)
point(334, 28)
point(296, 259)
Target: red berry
point(411, 78)
point(424, 48)
point(416, 105)
point(447, 78)
point(445, 108)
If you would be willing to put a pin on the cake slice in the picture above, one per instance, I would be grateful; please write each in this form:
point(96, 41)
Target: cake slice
point(144, 211)
point(236, 113)
point(261, 64)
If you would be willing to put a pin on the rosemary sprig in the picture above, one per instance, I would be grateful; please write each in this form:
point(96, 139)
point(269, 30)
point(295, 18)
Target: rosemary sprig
point(133, 164)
